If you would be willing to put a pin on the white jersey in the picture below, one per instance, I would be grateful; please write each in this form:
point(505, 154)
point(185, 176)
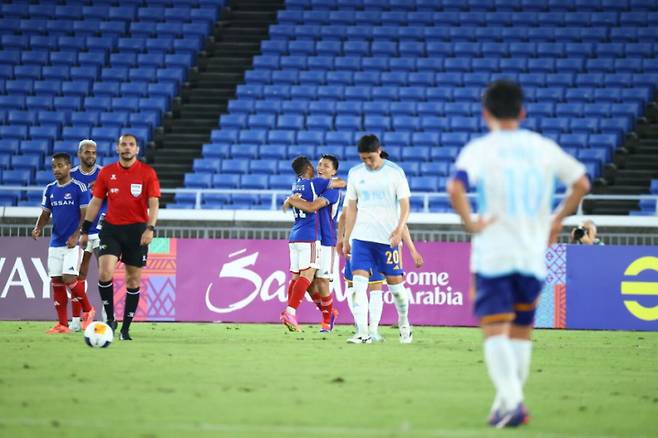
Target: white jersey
point(378, 194)
point(514, 173)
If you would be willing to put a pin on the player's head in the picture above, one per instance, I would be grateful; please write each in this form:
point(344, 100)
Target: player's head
point(370, 151)
point(61, 166)
point(303, 167)
point(327, 166)
point(127, 147)
point(503, 102)
point(87, 152)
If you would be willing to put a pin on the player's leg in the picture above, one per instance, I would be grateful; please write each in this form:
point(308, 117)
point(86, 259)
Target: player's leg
point(60, 299)
point(72, 259)
point(526, 298)
point(76, 306)
point(109, 253)
point(375, 306)
point(134, 257)
point(494, 308)
point(361, 264)
point(323, 279)
point(304, 259)
point(389, 262)
point(314, 292)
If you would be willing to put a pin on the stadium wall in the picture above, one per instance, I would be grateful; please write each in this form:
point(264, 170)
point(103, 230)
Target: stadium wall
point(209, 280)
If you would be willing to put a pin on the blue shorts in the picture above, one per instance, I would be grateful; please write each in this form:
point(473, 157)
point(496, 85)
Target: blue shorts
point(375, 277)
point(508, 298)
point(376, 257)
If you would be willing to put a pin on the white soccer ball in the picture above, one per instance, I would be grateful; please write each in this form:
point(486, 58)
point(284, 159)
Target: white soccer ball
point(98, 335)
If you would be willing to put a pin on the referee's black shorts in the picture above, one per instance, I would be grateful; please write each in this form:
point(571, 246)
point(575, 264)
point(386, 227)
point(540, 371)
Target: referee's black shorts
point(123, 241)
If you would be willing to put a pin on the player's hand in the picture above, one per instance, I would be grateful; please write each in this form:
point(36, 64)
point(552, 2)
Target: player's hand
point(84, 239)
point(36, 233)
point(556, 229)
point(339, 247)
point(347, 248)
point(479, 225)
point(418, 259)
point(147, 237)
point(73, 240)
point(395, 237)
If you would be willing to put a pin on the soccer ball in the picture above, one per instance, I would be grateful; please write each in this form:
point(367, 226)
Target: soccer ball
point(98, 335)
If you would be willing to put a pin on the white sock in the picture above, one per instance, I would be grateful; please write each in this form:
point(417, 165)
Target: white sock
point(360, 304)
point(501, 364)
point(291, 310)
point(401, 300)
point(350, 298)
point(75, 319)
point(522, 352)
point(375, 309)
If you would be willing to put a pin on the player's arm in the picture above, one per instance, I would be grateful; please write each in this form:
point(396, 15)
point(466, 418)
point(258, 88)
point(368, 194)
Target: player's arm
point(42, 220)
point(337, 183)
point(396, 235)
point(409, 243)
point(73, 239)
point(154, 209)
point(461, 205)
point(341, 232)
point(308, 207)
point(350, 212)
point(570, 204)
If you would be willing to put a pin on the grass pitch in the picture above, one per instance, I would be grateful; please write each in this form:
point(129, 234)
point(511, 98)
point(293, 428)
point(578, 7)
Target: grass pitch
point(260, 380)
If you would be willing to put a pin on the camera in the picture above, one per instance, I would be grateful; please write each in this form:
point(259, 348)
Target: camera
point(579, 233)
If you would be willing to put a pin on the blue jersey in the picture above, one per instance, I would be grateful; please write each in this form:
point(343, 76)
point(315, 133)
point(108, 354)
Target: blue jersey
point(307, 225)
point(89, 179)
point(64, 203)
point(329, 215)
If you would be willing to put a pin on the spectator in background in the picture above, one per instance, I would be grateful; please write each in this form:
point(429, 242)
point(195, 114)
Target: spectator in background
point(585, 234)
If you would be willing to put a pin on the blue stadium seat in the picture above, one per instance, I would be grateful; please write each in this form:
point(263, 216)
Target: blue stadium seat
point(235, 166)
point(263, 167)
point(244, 151)
point(254, 181)
point(424, 184)
point(416, 153)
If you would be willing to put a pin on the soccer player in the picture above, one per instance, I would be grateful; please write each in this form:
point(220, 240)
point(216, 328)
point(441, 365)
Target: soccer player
point(304, 239)
point(132, 191)
point(375, 283)
point(66, 200)
point(86, 172)
point(514, 171)
point(376, 216)
point(327, 206)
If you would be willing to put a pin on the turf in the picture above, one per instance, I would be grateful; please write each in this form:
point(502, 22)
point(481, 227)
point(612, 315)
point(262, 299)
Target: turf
point(260, 380)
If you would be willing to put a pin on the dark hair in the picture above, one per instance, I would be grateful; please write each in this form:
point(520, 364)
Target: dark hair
point(300, 164)
point(503, 99)
point(63, 156)
point(128, 134)
point(384, 155)
point(368, 144)
point(331, 158)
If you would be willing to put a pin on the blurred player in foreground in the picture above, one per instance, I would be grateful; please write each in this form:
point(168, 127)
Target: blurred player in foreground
point(514, 171)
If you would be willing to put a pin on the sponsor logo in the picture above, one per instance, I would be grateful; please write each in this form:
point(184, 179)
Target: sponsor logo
point(114, 190)
point(640, 288)
point(113, 177)
point(67, 196)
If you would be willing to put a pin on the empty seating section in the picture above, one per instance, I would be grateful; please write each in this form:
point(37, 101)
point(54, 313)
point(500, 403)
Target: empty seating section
point(72, 71)
point(412, 72)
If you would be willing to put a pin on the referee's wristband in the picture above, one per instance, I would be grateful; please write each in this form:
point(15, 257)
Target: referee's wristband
point(86, 226)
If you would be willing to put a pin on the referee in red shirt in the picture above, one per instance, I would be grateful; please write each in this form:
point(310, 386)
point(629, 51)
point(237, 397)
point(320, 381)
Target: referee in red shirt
point(133, 191)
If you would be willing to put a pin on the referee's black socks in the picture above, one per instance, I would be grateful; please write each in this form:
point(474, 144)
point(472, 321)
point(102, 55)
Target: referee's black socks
point(129, 310)
point(106, 290)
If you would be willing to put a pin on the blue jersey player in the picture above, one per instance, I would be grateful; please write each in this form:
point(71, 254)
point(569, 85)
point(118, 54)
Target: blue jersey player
point(304, 241)
point(514, 171)
point(65, 199)
point(327, 206)
point(86, 172)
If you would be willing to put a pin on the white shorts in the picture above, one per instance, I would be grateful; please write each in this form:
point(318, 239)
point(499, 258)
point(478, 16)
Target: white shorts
point(327, 257)
point(63, 260)
point(93, 243)
point(304, 255)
